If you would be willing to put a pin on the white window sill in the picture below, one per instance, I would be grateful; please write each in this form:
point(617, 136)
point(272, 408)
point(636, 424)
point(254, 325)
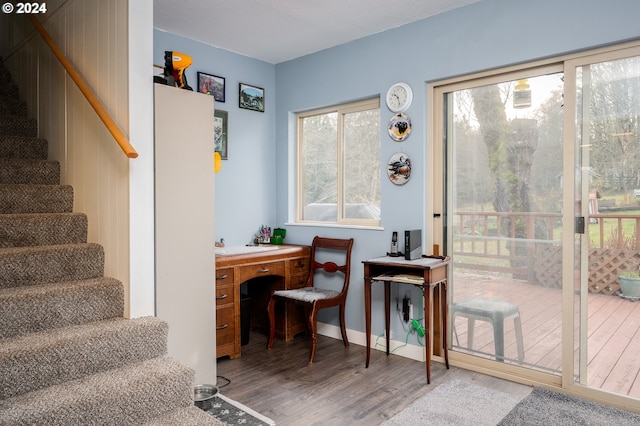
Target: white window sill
point(334, 225)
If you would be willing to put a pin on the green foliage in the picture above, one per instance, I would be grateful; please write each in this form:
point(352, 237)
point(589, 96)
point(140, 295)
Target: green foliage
point(612, 235)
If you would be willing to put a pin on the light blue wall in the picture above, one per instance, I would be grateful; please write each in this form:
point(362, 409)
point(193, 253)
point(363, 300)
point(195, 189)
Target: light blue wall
point(256, 184)
point(484, 35)
point(245, 186)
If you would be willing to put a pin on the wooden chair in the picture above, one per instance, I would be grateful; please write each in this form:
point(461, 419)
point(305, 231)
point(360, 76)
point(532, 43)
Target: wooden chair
point(314, 298)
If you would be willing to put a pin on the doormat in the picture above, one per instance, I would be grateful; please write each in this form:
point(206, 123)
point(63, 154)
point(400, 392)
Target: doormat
point(456, 402)
point(546, 407)
point(233, 413)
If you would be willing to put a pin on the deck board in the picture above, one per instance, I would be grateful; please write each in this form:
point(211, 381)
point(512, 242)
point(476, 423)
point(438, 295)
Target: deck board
point(613, 343)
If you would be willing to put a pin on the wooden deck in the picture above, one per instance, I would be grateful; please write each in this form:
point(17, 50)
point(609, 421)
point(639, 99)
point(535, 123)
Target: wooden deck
point(613, 331)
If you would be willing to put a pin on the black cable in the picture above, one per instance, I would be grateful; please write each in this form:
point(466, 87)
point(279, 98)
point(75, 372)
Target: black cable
point(223, 378)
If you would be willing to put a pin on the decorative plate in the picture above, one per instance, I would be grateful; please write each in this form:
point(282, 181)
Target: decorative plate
point(399, 168)
point(399, 127)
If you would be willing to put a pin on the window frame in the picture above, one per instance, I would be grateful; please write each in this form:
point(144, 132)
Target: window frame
point(439, 177)
point(341, 110)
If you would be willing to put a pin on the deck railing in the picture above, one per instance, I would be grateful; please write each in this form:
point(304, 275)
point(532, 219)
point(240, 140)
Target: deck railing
point(528, 245)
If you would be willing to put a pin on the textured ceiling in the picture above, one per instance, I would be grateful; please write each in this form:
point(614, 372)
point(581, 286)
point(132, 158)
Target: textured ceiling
point(278, 30)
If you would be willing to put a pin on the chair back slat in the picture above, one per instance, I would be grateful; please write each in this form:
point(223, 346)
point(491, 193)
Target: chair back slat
point(330, 267)
point(334, 244)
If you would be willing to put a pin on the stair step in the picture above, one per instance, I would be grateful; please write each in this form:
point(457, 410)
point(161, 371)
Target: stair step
point(192, 416)
point(5, 76)
point(48, 358)
point(16, 125)
point(36, 198)
point(42, 229)
point(48, 306)
point(10, 90)
point(12, 106)
point(130, 395)
point(67, 357)
point(22, 266)
point(35, 172)
point(24, 147)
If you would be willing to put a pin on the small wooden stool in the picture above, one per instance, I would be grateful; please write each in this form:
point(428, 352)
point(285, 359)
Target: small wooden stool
point(495, 312)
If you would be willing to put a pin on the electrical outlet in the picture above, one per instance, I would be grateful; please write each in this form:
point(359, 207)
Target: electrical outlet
point(384, 334)
point(406, 302)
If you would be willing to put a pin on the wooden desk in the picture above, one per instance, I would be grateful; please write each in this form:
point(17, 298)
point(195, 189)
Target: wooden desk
point(286, 265)
point(433, 273)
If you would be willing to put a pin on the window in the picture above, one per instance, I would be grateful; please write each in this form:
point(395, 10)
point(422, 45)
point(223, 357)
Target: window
point(339, 164)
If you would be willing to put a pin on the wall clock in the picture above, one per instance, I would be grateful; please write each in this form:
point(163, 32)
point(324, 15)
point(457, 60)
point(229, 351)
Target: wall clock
point(399, 97)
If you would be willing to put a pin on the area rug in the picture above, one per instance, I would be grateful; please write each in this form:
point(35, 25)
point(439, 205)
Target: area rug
point(456, 402)
point(547, 407)
point(233, 413)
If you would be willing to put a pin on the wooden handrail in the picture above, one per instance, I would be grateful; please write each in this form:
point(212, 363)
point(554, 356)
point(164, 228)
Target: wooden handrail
point(93, 100)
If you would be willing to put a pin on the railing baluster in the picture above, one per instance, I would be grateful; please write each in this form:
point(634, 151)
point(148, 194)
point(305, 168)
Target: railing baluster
point(492, 246)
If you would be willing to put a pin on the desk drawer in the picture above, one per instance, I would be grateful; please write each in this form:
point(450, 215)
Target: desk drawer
point(224, 276)
point(297, 281)
point(224, 295)
point(262, 270)
point(225, 325)
point(298, 266)
point(298, 272)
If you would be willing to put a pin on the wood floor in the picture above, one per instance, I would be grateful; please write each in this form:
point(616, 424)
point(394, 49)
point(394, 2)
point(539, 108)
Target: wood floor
point(337, 388)
point(613, 339)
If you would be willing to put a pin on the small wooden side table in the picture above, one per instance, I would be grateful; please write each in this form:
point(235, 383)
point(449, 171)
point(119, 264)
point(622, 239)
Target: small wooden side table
point(430, 274)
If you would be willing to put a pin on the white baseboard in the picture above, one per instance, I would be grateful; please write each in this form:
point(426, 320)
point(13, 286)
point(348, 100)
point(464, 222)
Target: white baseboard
point(359, 338)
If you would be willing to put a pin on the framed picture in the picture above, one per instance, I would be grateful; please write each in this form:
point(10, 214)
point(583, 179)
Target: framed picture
point(251, 97)
point(220, 119)
point(211, 85)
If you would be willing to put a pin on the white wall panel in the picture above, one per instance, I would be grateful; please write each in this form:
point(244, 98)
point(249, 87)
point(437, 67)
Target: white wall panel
point(184, 193)
point(141, 134)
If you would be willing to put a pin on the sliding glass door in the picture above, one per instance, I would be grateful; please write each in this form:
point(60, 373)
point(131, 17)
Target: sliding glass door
point(504, 146)
point(607, 191)
point(536, 197)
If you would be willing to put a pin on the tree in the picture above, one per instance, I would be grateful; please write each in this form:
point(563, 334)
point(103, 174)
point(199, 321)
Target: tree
point(614, 96)
point(510, 147)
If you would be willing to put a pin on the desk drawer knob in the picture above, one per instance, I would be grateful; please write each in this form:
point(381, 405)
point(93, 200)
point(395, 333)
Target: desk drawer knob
point(299, 265)
point(222, 327)
point(263, 271)
point(222, 277)
point(224, 296)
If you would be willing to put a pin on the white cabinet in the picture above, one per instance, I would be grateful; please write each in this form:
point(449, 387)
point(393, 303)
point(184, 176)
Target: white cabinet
point(184, 234)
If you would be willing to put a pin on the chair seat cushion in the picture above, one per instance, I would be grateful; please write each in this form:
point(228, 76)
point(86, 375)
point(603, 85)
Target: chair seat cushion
point(493, 309)
point(306, 294)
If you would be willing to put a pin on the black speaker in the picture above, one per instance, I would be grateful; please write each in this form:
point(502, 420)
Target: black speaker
point(413, 244)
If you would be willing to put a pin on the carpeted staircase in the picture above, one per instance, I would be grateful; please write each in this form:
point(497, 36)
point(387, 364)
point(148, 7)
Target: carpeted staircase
point(67, 355)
